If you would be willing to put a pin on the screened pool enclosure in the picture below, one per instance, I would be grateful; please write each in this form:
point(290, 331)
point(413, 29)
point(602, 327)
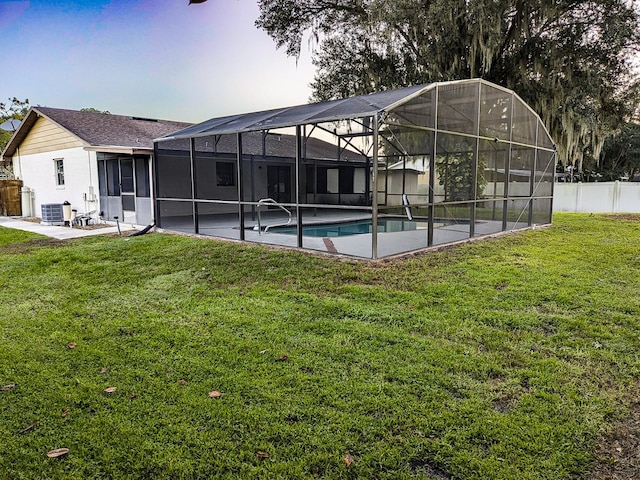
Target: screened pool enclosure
point(368, 176)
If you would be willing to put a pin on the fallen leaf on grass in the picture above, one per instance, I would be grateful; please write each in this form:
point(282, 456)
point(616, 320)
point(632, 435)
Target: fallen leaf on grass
point(282, 358)
point(182, 381)
point(58, 452)
point(7, 387)
point(104, 370)
point(65, 412)
point(110, 389)
point(72, 345)
point(262, 352)
point(133, 395)
point(215, 394)
point(260, 454)
point(348, 460)
point(28, 427)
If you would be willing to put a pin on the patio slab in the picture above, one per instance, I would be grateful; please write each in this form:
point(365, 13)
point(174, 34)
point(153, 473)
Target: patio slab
point(60, 233)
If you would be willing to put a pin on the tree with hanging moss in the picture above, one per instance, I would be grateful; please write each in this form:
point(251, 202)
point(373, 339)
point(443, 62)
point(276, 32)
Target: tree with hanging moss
point(571, 60)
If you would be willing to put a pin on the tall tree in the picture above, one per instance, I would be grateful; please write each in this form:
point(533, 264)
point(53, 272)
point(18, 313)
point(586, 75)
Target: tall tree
point(95, 110)
point(569, 59)
point(15, 109)
point(621, 154)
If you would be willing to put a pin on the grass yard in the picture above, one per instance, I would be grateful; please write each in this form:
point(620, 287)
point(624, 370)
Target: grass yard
point(502, 359)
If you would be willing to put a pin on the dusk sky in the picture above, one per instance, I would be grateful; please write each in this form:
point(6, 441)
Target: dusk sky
point(151, 58)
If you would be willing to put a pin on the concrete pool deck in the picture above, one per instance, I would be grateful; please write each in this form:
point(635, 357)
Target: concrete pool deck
point(357, 245)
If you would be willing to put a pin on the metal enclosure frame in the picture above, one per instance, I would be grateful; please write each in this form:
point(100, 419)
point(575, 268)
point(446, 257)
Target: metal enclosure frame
point(423, 166)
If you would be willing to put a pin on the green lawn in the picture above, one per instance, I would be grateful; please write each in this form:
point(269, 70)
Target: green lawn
point(503, 359)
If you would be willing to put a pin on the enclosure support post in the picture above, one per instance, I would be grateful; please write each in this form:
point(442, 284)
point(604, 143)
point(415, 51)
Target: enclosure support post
point(298, 189)
point(194, 206)
point(374, 202)
point(431, 208)
point(386, 184)
point(532, 178)
point(339, 168)
point(253, 188)
point(240, 189)
point(404, 174)
point(154, 176)
point(507, 169)
point(553, 186)
point(367, 180)
point(474, 172)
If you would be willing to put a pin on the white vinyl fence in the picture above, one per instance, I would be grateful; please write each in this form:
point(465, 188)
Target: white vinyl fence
point(600, 197)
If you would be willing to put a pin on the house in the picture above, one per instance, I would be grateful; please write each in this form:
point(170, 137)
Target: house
point(98, 162)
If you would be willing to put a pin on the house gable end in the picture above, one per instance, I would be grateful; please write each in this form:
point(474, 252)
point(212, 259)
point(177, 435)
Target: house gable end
point(46, 136)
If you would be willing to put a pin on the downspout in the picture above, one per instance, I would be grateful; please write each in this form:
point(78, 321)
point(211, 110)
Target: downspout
point(88, 199)
point(89, 165)
point(19, 161)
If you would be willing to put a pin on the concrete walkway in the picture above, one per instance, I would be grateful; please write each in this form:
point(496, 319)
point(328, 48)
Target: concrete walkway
point(61, 233)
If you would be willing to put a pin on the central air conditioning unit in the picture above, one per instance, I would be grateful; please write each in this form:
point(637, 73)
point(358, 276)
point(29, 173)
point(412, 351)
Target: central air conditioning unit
point(52, 214)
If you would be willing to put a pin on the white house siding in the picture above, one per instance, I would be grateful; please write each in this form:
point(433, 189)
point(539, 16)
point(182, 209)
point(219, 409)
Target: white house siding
point(45, 136)
point(37, 171)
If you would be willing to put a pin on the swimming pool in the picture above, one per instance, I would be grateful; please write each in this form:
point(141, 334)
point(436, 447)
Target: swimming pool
point(354, 227)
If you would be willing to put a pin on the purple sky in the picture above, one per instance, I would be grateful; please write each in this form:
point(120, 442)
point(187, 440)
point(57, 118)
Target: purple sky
point(151, 58)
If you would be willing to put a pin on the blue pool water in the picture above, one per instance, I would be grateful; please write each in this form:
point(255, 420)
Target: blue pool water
point(357, 227)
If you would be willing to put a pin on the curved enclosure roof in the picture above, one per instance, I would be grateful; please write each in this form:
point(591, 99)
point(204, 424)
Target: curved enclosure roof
point(353, 107)
point(373, 176)
point(500, 109)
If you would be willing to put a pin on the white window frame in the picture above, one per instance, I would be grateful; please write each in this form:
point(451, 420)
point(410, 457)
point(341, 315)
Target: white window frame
point(58, 169)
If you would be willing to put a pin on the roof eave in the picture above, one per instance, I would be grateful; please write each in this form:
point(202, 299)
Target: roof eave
point(25, 127)
point(20, 134)
point(120, 149)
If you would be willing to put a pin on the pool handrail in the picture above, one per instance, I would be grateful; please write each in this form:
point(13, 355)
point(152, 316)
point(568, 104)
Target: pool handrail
point(271, 201)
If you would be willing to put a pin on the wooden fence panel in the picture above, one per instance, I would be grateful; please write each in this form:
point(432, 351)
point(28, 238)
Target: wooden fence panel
point(10, 202)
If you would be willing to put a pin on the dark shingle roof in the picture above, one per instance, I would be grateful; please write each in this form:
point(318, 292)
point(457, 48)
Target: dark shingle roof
point(102, 129)
point(98, 129)
point(278, 145)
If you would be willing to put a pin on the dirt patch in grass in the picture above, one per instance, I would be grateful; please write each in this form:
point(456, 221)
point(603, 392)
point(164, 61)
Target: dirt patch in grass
point(618, 454)
point(418, 465)
point(625, 216)
point(93, 226)
point(19, 248)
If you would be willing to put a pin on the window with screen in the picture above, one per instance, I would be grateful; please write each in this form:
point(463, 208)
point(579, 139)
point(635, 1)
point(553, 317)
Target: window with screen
point(59, 166)
point(225, 174)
